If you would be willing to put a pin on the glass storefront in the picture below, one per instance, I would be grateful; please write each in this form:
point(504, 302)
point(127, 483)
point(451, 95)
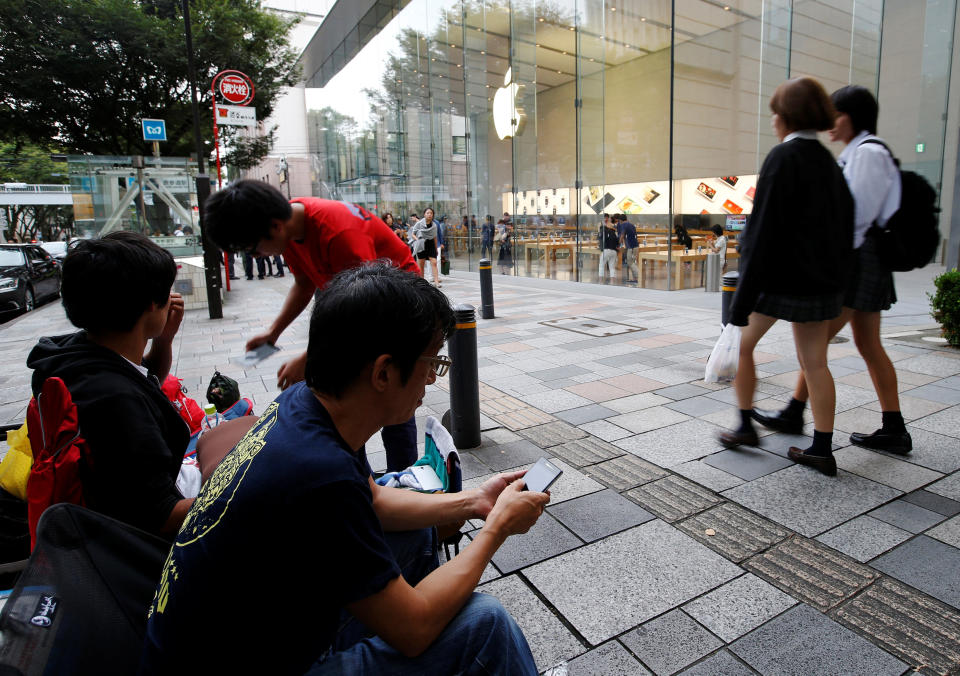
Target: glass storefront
point(552, 113)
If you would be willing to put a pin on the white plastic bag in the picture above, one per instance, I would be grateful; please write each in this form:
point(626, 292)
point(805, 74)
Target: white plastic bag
point(722, 365)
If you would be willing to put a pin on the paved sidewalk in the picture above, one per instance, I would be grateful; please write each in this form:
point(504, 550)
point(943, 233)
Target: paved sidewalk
point(661, 552)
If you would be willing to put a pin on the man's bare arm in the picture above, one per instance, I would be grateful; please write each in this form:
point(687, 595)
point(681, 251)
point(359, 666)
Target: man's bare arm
point(297, 299)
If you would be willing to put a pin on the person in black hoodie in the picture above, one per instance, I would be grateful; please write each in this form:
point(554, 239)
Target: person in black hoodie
point(795, 254)
point(117, 291)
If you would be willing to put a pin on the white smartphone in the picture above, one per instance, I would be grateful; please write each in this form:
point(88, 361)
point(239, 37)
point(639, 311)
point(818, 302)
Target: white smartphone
point(258, 354)
point(541, 476)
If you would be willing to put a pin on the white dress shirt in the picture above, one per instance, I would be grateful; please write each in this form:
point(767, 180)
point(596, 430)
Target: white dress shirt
point(874, 182)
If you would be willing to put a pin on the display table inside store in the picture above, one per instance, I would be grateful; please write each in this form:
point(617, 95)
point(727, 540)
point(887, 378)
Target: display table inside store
point(679, 260)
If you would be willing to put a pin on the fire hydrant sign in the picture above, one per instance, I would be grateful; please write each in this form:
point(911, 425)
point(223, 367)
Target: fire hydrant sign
point(236, 89)
point(237, 116)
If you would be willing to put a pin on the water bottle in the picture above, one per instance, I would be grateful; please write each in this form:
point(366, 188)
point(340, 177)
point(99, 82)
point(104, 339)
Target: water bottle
point(211, 417)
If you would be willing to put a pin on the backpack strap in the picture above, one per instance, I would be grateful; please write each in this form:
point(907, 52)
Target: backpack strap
point(878, 142)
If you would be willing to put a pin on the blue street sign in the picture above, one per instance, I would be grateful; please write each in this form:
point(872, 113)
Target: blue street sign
point(154, 130)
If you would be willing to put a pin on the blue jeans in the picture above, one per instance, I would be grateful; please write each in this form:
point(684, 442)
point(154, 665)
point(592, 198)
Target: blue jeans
point(482, 639)
point(400, 443)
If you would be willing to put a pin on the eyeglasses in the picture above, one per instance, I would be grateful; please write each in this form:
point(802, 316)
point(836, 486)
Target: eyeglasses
point(441, 364)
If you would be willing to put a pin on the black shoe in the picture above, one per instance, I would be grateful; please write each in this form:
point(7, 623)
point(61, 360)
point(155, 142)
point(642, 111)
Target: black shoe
point(734, 438)
point(279, 274)
point(777, 421)
point(821, 463)
point(249, 279)
point(234, 277)
point(259, 277)
point(892, 442)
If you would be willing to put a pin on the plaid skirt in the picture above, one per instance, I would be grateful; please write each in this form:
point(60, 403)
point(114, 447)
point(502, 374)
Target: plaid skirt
point(871, 285)
point(799, 308)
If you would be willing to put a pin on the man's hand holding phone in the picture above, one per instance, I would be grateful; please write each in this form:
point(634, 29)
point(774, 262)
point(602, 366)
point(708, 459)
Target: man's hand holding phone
point(515, 511)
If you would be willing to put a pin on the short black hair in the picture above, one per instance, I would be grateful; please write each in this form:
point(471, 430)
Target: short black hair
point(108, 283)
point(717, 230)
point(239, 216)
point(368, 311)
point(860, 105)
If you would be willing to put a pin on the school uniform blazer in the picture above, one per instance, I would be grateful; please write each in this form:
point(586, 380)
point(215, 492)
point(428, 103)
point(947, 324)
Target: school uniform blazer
point(799, 239)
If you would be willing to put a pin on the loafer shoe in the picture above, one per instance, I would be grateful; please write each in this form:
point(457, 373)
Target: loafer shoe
point(822, 463)
point(734, 438)
point(892, 442)
point(777, 421)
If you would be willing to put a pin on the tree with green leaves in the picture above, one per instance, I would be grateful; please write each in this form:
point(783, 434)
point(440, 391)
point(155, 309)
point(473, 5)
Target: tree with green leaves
point(28, 163)
point(83, 73)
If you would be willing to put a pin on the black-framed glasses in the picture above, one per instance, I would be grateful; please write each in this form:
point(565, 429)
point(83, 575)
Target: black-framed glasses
point(441, 364)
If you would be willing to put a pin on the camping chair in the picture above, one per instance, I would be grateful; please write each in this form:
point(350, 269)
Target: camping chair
point(80, 607)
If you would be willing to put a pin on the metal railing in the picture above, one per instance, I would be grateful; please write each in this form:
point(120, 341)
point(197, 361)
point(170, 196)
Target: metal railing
point(35, 187)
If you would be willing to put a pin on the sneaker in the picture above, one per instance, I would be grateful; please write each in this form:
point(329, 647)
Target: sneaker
point(778, 421)
point(892, 442)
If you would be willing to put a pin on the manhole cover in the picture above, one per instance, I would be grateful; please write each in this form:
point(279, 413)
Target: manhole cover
point(589, 326)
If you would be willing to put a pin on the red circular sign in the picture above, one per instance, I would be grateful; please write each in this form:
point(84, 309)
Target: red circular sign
point(236, 88)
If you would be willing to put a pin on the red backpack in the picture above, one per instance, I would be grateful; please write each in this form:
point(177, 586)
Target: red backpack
point(188, 408)
point(60, 453)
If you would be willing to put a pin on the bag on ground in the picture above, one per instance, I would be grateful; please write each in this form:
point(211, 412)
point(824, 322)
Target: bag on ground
point(723, 361)
point(223, 392)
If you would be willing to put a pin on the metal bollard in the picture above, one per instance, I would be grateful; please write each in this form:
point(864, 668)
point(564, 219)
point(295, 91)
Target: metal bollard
point(486, 288)
point(464, 380)
point(712, 273)
point(727, 287)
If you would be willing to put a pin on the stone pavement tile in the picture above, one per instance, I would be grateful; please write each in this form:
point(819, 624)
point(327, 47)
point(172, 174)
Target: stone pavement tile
point(470, 465)
point(927, 564)
point(585, 451)
point(802, 641)
point(863, 380)
point(599, 514)
point(670, 642)
point(811, 572)
point(673, 498)
point(864, 538)
point(676, 444)
point(557, 373)
point(948, 488)
point(609, 659)
point(851, 397)
point(952, 381)
point(933, 502)
point(552, 433)
point(705, 475)
point(625, 472)
point(633, 383)
point(737, 533)
point(675, 374)
point(908, 516)
point(585, 414)
point(911, 407)
point(493, 401)
point(522, 418)
point(739, 606)
point(497, 436)
point(556, 400)
point(684, 391)
point(808, 502)
point(636, 402)
point(747, 463)
point(550, 641)
point(948, 532)
point(699, 406)
point(946, 422)
point(933, 392)
point(931, 450)
point(858, 419)
point(596, 391)
point(917, 629)
point(648, 419)
point(618, 582)
point(721, 663)
point(884, 469)
point(508, 455)
point(605, 430)
point(546, 539)
point(932, 364)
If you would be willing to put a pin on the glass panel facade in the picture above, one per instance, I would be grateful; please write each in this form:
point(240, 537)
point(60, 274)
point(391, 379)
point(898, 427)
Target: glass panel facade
point(551, 113)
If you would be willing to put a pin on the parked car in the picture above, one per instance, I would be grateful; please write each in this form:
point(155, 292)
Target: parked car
point(56, 249)
point(27, 274)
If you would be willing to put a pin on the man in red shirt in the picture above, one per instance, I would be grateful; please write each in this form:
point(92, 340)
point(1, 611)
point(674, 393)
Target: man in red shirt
point(318, 238)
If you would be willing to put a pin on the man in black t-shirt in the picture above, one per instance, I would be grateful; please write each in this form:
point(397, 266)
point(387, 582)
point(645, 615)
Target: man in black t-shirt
point(609, 245)
point(351, 590)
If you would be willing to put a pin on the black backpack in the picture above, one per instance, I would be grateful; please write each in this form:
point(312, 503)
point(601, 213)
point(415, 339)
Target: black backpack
point(910, 238)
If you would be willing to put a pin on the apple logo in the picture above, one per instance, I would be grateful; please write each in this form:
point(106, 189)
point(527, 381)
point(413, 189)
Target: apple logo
point(508, 118)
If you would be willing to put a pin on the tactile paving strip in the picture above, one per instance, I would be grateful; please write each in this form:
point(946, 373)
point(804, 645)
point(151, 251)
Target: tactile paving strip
point(916, 628)
point(737, 534)
point(673, 498)
point(625, 472)
point(552, 433)
point(586, 451)
point(812, 572)
point(522, 418)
